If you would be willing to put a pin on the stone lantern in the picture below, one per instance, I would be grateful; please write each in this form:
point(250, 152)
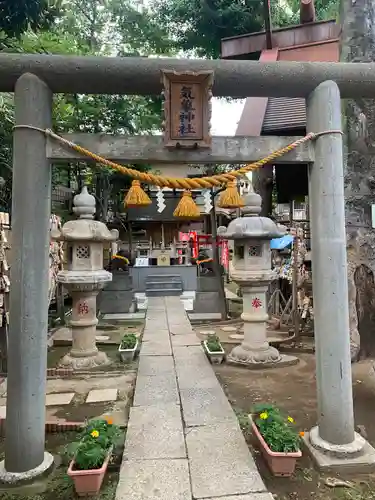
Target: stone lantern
point(251, 270)
point(84, 277)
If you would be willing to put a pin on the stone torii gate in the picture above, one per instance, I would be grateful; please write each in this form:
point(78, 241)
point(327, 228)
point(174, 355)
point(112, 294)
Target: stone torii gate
point(33, 79)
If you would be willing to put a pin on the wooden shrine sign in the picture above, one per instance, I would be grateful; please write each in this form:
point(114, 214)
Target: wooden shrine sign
point(187, 109)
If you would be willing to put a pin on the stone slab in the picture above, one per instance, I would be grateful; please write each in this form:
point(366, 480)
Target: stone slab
point(189, 352)
point(185, 340)
point(207, 332)
point(155, 326)
point(173, 301)
point(193, 356)
point(156, 334)
point(154, 480)
point(189, 377)
point(59, 398)
point(156, 315)
point(102, 338)
point(180, 328)
point(155, 432)
point(124, 316)
point(202, 406)
point(3, 411)
point(156, 390)
point(156, 348)
point(155, 365)
point(155, 307)
point(364, 463)
point(101, 395)
point(204, 316)
point(237, 336)
point(220, 462)
point(228, 328)
point(252, 496)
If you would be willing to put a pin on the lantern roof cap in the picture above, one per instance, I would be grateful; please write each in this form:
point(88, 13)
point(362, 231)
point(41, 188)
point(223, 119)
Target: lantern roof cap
point(84, 228)
point(84, 204)
point(251, 225)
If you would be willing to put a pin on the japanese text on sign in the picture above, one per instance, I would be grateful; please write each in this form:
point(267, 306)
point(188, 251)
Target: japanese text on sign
point(187, 111)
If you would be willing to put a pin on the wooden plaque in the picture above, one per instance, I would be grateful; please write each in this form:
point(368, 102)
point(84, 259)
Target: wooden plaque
point(187, 109)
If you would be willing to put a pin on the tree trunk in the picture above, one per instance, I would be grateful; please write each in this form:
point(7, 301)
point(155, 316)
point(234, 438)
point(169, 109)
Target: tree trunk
point(262, 180)
point(358, 45)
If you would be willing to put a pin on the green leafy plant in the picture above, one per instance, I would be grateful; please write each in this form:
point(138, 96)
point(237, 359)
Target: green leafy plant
point(128, 341)
point(94, 444)
point(213, 343)
point(277, 430)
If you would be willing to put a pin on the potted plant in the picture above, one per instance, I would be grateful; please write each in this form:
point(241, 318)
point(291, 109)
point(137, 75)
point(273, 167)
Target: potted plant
point(91, 455)
point(128, 347)
point(214, 349)
point(279, 441)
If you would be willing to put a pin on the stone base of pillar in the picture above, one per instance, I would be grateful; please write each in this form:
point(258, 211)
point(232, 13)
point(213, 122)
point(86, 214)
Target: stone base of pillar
point(14, 478)
point(259, 358)
point(84, 362)
point(356, 457)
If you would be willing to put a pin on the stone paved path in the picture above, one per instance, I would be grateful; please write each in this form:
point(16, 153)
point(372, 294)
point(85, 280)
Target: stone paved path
point(183, 440)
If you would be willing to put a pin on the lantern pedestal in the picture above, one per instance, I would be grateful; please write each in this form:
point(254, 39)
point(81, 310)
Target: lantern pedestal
point(84, 355)
point(254, 348)
point(251, 271)
point(84, 278)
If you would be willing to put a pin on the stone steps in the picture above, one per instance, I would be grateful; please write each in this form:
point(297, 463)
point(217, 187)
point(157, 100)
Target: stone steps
point(164, 277)
point(163, 292)
point(163, 285)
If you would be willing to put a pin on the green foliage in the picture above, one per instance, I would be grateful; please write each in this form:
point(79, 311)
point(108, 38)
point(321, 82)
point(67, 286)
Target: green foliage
point(324, 9)
point(198, 26)
point(278, 432)
point(128, 341)
point(89, 27)
point(213, 343)
point(95, 441)
point(17, 16)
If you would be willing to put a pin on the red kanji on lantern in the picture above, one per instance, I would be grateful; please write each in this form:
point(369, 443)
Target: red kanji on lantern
point(83, 308)
point(256, 303)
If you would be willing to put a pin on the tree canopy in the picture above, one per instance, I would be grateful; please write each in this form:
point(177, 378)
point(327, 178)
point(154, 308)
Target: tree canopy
point(198, 26)
point(85, 27)
point(17, 16)
point(119, 28)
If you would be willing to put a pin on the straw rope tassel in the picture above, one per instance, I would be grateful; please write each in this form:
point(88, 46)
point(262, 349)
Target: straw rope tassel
point(187, 208)
point(230, 198)
point(136, 197)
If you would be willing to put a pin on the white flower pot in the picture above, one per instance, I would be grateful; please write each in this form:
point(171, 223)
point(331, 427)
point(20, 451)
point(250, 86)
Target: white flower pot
point(127, 355)
point(216, 357)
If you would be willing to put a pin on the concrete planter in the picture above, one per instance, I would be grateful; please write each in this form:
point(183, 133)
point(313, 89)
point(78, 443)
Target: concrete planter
point(216, 357)
point(127, 355)
point(280, 464)
point(88, 482)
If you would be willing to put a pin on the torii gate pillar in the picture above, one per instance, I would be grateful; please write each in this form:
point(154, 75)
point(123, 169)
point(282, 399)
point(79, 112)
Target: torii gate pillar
point(25, 456)
point(333, 443)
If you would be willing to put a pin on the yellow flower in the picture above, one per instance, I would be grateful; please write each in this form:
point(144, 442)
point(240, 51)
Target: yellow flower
point(94, 434)
point(264, 415)
point(291, 420)
point(109, 420)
